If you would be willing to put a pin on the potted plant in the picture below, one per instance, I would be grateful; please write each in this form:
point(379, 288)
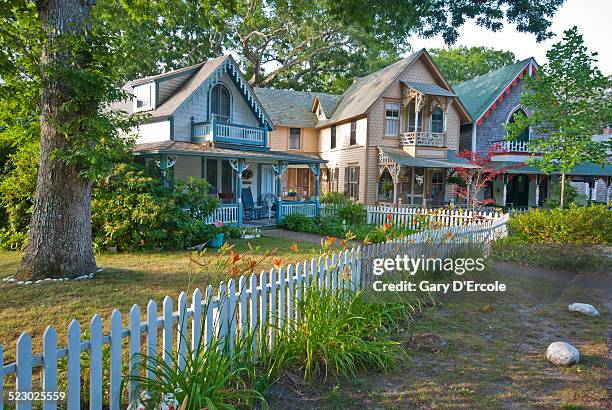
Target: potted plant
point(217, 235)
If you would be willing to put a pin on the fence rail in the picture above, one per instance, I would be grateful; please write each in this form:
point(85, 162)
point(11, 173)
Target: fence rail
point(235, 308)
point(418, 217)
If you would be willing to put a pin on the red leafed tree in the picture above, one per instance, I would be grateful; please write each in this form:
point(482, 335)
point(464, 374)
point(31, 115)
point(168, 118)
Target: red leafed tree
point(477, 178)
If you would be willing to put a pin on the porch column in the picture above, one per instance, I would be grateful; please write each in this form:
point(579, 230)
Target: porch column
point(240, 166)
point(395, 182)
point(163, 165)
point(537, 190)
point(279, 170)
point(505, 193)
point(316, 170)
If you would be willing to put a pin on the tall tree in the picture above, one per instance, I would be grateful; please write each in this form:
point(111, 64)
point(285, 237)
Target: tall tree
point(569, 99)
point(460, 64)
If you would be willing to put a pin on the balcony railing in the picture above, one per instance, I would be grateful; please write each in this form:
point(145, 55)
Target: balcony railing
point(424, 138)
point(513, 146)
point(226, 132)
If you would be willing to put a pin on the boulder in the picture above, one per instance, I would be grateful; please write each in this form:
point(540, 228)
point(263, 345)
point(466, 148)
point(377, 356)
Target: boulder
point(562, 354)
point(584, 308)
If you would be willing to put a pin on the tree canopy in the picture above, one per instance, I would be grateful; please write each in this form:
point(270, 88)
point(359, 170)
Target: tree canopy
point(460, 64)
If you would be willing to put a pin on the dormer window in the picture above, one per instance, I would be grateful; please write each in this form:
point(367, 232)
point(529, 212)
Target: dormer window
point(220, 103)
point(437, 121)
point(144, 97)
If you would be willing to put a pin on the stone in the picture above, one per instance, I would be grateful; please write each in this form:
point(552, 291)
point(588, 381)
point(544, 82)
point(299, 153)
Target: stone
point(584, 308)
point(562, 354)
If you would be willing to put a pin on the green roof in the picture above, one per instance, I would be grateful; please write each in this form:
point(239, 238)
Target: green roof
point(586, 168)
point(403, 158)
point(479, 93)
point(429, 89)
point(294, 108)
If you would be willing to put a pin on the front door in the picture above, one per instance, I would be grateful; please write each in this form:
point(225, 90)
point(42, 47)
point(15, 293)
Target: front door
point(267, 180)
point(518, 191)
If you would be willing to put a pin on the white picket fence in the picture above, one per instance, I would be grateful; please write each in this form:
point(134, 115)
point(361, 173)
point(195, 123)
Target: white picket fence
point(235, 309)
point(418, 217)
point(304, 208)
point(227, 213)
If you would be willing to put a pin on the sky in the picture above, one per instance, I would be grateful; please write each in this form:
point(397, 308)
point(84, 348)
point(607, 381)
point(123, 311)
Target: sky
point(593, 18)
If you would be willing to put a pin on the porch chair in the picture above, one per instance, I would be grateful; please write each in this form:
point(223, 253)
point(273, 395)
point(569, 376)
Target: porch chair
point(251, 210)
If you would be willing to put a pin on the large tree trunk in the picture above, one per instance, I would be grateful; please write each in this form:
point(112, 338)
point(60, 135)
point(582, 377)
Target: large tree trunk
point(59, 240)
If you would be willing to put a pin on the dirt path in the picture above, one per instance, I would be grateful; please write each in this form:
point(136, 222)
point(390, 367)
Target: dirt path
point(494, 357)
point(292, 236)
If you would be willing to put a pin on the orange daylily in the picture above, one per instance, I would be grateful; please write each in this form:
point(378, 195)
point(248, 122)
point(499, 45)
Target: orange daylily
point(277, 263)
point(294, 247)
point(234, 257)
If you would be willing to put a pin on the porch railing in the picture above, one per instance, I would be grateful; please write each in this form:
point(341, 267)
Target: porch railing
point(304, 208)
point(227, 213)
point(424, 138)
point(225, 132)
point(513, 146)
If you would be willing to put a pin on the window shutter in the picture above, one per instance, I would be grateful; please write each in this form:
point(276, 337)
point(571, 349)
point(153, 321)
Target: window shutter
point(346, 180)
point(357, 184)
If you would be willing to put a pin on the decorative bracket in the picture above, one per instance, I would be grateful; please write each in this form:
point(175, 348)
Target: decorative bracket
point(170, 162)
point(236, 165)
point(280, 168)
point(315, 169)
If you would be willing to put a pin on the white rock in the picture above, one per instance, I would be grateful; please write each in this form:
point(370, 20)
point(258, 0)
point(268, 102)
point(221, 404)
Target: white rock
point(39, 281)
point(562, 354)
point(12, 279)
point(584, 308)
point(48, 279)
point(20, 282)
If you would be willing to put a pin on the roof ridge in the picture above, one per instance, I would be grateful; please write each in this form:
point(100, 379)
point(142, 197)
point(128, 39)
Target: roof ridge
point(524, 61)
point(153, 77)
point(297, 91)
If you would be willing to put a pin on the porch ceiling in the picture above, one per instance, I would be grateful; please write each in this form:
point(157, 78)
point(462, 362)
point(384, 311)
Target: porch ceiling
point(402, 158)
point(582, 169)
point(195, 149)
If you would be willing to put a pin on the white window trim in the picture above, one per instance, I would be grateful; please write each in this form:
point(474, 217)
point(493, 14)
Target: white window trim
point(231, 101)
point(431, 120)
point(152, 90)
point(392, 118)
point(289, 139)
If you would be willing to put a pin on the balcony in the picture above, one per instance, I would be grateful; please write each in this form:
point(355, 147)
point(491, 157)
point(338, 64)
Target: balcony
point(513, 146)
point(423, 139)
point(227, 133)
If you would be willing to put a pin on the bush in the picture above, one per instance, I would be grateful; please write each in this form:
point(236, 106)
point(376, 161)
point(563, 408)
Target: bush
point(571, 196)
point(353, 213)
point(299, 223)
point(334, 198)
point(573, 225)
point(132, 209)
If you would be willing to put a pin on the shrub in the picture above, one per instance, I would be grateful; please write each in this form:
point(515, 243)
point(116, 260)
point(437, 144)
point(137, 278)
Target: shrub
point(573, 225)
point(334, 198)
point(352, 213)
point(571, 196)
point(132, 209)
point(299, 223)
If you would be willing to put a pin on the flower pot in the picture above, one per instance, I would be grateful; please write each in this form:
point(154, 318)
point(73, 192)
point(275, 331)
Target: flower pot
point(217, 241)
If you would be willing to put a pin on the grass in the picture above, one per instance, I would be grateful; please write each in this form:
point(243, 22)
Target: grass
point(494, 357)
point(127, 279)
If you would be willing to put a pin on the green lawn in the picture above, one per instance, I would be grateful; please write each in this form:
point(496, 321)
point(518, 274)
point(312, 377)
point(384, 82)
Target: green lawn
point(127, 279)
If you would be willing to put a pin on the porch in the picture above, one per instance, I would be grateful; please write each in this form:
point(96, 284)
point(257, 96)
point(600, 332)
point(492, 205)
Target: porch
point(405, 180)
point(251, 185)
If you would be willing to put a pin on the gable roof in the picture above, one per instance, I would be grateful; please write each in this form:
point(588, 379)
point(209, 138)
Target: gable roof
point(431, 89)
point(191, 78)
point(480, 92)
point(294, 108)
point(364, 91)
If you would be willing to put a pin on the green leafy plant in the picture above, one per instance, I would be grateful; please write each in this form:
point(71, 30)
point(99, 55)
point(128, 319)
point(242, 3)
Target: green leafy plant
point(571, 196)
point(352, 213)
point(574, 225)
point(334, 198)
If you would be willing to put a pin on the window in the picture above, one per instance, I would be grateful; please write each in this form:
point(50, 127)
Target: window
point(332, 179)
point(351, 177)
point(144, 97)
point(211, 174)
point(392, 119)
point(332, 144)
point(295, 138)
point(353, 140)
point(524, 135)
point(437, 120)
point(220, 103)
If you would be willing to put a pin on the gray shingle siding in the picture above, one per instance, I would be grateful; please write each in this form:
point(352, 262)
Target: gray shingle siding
point(492, 128)
point(465, 137)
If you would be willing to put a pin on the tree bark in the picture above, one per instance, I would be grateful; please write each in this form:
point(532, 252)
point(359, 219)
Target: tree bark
point(562, 196)
point(60, 238)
